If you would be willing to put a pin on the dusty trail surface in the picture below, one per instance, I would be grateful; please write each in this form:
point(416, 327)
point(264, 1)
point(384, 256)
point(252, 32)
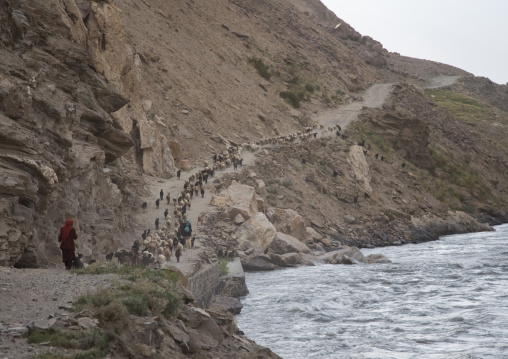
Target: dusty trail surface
point(441, 81)
point(374, 97)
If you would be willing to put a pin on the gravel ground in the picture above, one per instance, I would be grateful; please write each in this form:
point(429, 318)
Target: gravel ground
point(30, 294)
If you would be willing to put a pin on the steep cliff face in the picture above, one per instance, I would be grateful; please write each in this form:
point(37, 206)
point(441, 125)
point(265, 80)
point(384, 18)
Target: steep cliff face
point(57, 137)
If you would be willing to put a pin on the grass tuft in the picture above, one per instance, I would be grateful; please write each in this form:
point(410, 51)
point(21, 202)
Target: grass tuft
point(262, 69)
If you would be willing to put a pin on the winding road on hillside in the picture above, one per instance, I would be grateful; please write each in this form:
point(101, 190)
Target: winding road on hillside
point(373, 97)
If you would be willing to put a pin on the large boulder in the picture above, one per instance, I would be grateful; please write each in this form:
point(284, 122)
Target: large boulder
point(290, 260)
point(258, 262)
point(223, 303)
point(258, 231)
point(377, 258)
point(347, 255)
point(284, 243)
point(357, 160)
point(241, 199)
point(288, 221)
point(313, 235)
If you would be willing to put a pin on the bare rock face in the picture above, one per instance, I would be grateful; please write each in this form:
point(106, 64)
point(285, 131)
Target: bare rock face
point(455, 222)
point(288, 221)
point(357, 160)
point(284, 243)
point(312, 235)
point(58, 140)
point(258, 231)
point(257, 262)
point(241, 199)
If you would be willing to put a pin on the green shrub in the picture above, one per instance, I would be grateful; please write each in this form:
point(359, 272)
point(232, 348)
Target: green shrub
point(136, 305)
point(85, 340)
point(147, 291)
point(292, 98)
point(223, 266)
point(272, 190)
point(262, 69)
point(287, 184)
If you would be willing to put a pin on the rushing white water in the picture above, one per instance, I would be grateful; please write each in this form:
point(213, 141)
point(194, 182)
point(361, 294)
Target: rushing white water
point(442, 299)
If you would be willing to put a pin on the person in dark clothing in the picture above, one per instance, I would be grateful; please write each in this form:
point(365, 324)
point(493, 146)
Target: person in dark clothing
point(202, 192)
point(175, 242)
point(184, 209)
point(157, 223)
point(162, 194)
point(166, 213)
point(67, 236)
point(186, 229)
point(241, 162)
point(205, 178)
point(178, 173)
point(144, 235)
point(192, 241)
point(235, 165)
point(157, 203)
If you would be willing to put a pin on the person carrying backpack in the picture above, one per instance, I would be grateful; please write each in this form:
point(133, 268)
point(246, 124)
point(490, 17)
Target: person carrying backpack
point(187, 230)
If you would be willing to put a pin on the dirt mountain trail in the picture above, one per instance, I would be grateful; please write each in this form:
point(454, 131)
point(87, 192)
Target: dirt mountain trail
point(198, 205)
point(41, 292)
point(441, 81)
point(374, 97)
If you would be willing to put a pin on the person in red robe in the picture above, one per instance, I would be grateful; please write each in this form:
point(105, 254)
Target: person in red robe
point(67, 237)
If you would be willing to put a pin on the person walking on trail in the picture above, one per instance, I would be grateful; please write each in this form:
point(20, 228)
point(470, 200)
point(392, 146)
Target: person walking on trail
point(202, 192)
point(166, 213)
point(168, 198)
point(161, 194)
point(187, 230)
point(178, 173)
point(157, 223)
point(67, 236)
point(157, 203)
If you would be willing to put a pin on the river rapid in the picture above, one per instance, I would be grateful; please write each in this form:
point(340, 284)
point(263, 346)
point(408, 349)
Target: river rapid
point(443, 299)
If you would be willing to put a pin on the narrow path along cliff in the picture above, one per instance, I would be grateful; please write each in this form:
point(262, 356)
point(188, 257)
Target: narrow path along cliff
point(374, 97)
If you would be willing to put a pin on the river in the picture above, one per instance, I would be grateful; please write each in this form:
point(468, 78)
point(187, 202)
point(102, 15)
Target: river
point(443, 299)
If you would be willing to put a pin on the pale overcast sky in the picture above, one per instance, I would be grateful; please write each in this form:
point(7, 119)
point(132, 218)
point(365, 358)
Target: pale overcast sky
point(468, 34)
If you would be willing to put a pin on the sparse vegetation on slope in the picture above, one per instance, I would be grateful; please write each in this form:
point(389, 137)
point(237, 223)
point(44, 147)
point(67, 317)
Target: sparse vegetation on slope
point(144, 291)
point(461, 106)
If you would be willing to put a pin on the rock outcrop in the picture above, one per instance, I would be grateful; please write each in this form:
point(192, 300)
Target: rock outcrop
point(284, 243)
point(357, 160)
point(59, 144)
point(288, 221)
point(258, 231)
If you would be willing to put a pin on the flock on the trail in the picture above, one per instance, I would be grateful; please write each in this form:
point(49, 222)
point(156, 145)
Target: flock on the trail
point(309, 132)
point(175, 234)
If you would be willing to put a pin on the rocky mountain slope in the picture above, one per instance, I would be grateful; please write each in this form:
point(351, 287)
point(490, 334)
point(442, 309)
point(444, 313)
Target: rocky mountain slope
point(102, 101)
point(96, 94)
